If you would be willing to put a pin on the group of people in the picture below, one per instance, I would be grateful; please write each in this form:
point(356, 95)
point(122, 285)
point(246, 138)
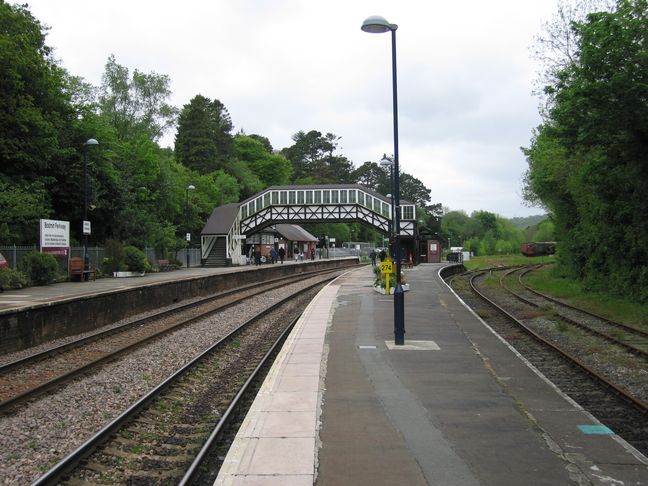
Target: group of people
point(254, 255)
point(276, 255)
point(382, 255)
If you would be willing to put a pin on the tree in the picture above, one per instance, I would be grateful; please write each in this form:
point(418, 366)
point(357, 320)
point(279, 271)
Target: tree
point(313, 159)
point(556, 47)
point(22, 207)
point(587, 161)
point(34, 102)
point(204, 141)
point(413, 190)
point(272, 169)
point(136, 104)
point(373, 176)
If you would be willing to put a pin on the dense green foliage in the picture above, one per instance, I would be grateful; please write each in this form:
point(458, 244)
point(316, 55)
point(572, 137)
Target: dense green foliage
point(483, 233)
point(12, 279)
point(588, 161)
point(39, 268)
point(135, 260)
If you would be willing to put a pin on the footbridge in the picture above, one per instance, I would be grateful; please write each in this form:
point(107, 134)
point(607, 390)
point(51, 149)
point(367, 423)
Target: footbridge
point(226, 229)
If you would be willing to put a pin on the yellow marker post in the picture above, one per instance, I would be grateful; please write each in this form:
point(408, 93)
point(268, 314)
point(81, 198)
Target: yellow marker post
point(387, 269)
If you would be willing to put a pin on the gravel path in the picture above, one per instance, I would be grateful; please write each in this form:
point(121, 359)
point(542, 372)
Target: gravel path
point(49, 428)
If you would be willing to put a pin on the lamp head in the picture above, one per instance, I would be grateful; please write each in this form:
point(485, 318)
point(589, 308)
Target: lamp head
point(190, 187)
point(377, 25)
point(91, 141)
point(385, 162)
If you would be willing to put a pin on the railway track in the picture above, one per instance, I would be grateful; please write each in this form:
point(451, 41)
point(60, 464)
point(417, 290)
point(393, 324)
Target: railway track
point(638, 334)
point(175, 428)
point(616, 407)
point(26, 378)
point(629, 338)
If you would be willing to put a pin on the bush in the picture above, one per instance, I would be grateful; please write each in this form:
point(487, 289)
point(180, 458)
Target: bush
point(114, 257)
point(11, 279)
point(135, 259)
point(40, 268)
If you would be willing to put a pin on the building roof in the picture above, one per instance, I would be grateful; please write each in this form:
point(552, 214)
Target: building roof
point(221, 220)
point(292, 232)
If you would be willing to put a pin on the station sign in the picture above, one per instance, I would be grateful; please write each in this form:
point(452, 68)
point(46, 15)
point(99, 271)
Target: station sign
point(54, 237)
point(87, 230)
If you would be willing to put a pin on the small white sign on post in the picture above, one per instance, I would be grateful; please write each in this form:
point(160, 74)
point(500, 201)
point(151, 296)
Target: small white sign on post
point(188, 236)
point(87, 230)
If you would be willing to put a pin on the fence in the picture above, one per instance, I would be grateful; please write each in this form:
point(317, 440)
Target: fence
point(15, 253)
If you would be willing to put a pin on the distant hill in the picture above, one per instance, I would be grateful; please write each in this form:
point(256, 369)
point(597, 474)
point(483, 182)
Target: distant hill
point(527, 221)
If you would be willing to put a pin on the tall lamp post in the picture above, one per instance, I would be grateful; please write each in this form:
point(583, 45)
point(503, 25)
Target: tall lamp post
point(378, 25)
point(86, 224)
point(190, 187)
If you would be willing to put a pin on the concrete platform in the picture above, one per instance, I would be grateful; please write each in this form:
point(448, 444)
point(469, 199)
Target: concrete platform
point(38, 315)
point(15, 300)
point(455, 406)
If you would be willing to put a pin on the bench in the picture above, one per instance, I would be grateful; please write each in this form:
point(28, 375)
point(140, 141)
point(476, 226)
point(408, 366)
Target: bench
point(77, 269)
point(164, 265)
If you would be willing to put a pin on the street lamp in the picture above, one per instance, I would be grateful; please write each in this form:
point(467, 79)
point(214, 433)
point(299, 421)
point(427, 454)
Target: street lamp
point(378, 25)
point(85, 226)
point(190, 187)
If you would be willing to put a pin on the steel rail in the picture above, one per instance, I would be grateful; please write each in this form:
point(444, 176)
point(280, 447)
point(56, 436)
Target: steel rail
point(620, 325)
point(639, 404)
point(8, 404)
point(224, 420)
point(157, 315)
point(628, 347)
point(67, 464)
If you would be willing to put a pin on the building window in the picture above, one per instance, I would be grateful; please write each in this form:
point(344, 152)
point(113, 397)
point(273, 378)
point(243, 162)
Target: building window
point(343, 197)
point(318, 197)
point(370, 202)
point(300, 197)
point(244, 212)
point(283, 197)
point(385, 209)
point(335, 197)
point(309, 197)
point(407, 212)
point(352, 196)
point(291, 197)
point(266, 200)
point(275, 197)
point(327, 197)
point(361, 198)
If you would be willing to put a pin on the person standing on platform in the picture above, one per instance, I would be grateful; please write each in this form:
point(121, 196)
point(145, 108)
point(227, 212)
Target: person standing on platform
point(273, 255)
point(382, 255)
point(312, 252)
point(372, 255)
point(282, 254)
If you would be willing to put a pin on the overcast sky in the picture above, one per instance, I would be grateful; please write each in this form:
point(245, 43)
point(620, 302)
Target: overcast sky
point(465, 76)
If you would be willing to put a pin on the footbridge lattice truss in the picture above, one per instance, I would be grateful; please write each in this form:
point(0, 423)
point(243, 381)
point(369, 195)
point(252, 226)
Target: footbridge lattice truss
point(298, 205)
